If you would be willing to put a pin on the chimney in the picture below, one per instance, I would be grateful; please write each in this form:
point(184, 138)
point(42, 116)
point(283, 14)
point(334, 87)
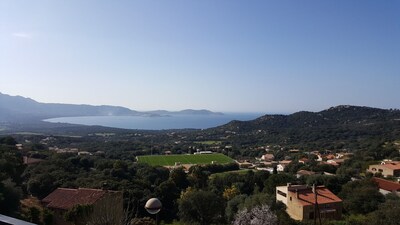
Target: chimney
point(314, 189)
point(288, 184)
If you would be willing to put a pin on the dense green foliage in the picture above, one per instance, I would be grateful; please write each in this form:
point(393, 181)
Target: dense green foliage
point(11, 168)
point(370, 134)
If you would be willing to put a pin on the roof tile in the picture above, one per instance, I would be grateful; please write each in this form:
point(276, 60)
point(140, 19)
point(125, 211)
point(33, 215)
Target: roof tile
point(386, 184)
point(324, 196)
point(65, 198)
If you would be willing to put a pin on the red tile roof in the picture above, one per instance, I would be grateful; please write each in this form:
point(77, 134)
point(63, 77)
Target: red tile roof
point(324, 196)
point(392, 165)
point(29, 161)
point(386, 184)
point(304, 160)
point(305, 172)
point(65, 198)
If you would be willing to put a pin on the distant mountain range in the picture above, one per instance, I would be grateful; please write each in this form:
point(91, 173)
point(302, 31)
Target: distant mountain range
point(334, 126)
point(17, 108)
point(339, 115)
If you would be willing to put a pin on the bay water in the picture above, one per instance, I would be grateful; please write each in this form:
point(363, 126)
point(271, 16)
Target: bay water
point(158, 122)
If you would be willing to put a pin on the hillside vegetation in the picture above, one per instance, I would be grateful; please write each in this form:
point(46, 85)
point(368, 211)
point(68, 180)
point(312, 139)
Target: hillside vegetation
point(335, 128)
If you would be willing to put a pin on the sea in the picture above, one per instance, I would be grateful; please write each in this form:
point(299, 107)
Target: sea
point(158, 122)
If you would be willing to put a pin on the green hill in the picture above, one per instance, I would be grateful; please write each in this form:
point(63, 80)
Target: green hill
point(350, 127)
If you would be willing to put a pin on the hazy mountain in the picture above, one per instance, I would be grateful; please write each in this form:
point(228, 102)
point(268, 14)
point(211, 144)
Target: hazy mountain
point(336, 126)
point(334, 116)
point(17, 108)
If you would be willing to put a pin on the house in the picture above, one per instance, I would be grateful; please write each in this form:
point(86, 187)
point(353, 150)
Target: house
point(29, 161)
point(268, 169)
point(386, 168)
point(84, 153)
point(282, 165)
point(304, 160)
point(336, 162)
point(304, 202)
point(203, 152)
point(387, 186)
point(301, 173)
point(246, 165)
point(105, 205)
point(344, 155)
point(267, 157)
point(330, 156)
point(6, 220)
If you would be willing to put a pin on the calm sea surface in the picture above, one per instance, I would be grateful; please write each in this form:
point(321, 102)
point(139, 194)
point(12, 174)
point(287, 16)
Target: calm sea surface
point(158, 123)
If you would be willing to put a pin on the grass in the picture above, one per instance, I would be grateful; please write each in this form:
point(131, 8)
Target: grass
point(170, 160)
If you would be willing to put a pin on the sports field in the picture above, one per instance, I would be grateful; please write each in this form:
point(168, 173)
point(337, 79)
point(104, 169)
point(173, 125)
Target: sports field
point(170, 160)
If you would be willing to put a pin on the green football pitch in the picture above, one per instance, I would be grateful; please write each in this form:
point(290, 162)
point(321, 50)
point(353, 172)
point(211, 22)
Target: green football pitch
point(170, 160)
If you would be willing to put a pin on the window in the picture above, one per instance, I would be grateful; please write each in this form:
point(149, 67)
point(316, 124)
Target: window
point(380, 170)
point(290, 198)
point(281, 193)
point(311, 215)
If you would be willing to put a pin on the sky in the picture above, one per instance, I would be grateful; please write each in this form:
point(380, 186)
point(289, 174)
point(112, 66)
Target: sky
point(228, 56)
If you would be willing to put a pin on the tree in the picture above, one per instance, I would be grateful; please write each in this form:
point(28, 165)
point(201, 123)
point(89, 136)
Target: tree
point(333, 183)
point(47, 217)
point(201, 207)
point(11, 168)
point(230, 192)
point(9, 197)
point(232, 206)
point(259, 215)
point(8, 140)
point(388, 213)
point(168, 194)
point(178, 176)
point(276, 180)
point(41, 185)
point(34, 215)
point(198, 177)
point(361, 197)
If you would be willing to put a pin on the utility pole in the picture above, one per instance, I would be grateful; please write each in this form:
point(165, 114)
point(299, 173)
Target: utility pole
point(316, 207)
point(315, 204)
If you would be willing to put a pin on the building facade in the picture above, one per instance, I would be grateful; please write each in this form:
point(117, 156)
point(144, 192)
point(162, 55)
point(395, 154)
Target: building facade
point(306, 203)
point(386, 168)
point(106, 207)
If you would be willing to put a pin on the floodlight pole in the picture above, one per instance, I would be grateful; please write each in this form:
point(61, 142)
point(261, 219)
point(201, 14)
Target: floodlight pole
point(153, 206)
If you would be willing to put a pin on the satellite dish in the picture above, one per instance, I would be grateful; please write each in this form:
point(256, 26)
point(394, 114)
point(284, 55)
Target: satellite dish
point(153, 206)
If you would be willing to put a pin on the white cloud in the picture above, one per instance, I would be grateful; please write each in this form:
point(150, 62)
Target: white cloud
point(22, 35)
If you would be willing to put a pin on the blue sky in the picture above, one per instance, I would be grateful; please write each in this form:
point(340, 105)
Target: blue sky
point(230, 56)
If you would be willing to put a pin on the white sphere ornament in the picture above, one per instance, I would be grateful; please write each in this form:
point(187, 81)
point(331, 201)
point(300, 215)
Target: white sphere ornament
point(153, 206)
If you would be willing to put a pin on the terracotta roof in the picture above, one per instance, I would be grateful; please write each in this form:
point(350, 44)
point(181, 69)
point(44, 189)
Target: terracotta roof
point(386, 184)
point(392, 165)
point(324, 196)
point(305, 172)
point(65, 198)
point(29, 161)
point(330, 156)
point(285, 161)
point(304, 160)
point(268, 156)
